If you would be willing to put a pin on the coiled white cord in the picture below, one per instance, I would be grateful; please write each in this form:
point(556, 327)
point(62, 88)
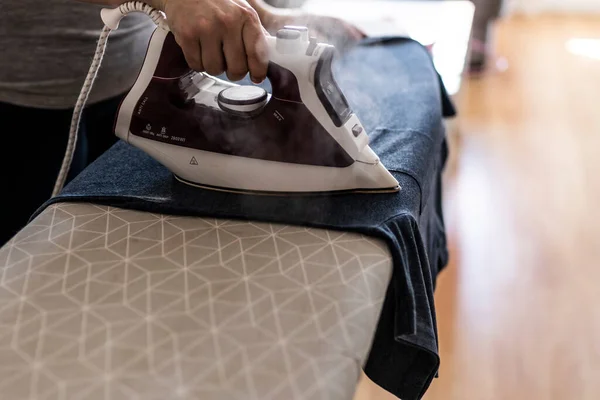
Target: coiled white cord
point(111, 19)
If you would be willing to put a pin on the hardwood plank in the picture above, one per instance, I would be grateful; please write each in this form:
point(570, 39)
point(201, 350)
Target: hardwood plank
point(519, 307)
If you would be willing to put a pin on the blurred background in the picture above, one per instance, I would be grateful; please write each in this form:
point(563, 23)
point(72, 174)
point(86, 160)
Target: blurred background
point(519, 305)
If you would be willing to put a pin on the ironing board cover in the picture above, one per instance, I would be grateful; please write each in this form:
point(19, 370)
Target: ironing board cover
point(393, 87)
point(100, 303)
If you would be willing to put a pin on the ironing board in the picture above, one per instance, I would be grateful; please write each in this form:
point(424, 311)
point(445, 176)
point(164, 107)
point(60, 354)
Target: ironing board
point(98, 302)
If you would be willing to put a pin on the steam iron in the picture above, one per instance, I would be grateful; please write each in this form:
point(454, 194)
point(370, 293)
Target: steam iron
point(303, 137)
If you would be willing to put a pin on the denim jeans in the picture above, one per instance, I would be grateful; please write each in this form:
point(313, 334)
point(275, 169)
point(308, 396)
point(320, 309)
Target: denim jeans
point(393, 87)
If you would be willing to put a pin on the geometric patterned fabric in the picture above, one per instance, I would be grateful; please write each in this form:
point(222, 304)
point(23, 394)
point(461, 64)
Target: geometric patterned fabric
point(101, 303)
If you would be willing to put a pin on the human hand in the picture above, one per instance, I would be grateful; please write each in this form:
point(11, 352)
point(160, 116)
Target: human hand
point(219, 36)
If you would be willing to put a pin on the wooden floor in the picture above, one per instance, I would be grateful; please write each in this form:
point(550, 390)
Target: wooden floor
point(519, 306)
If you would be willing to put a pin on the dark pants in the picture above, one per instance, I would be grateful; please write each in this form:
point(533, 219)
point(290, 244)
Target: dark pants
point(486, 11)
point(33, 146)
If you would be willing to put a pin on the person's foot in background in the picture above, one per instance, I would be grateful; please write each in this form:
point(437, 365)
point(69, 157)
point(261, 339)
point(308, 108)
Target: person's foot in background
point(483, 57)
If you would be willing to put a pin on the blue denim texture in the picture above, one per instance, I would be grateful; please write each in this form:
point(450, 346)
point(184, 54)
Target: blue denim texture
point(393, 87)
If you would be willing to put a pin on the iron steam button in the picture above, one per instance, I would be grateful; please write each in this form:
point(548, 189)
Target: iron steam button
point(292, 40)
point(357, 130)
point(298, 28)
point(288, 34)
point(303, 30)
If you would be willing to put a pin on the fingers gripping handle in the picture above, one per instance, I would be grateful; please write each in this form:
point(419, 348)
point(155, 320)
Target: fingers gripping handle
point(284, 83)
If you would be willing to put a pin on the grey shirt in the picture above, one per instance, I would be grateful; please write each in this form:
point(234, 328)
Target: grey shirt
point(46, 47)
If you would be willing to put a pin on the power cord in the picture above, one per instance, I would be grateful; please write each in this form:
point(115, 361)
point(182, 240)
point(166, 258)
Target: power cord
point(111, 18)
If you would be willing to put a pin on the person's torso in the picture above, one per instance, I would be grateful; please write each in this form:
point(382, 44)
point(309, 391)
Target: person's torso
point(47, 47)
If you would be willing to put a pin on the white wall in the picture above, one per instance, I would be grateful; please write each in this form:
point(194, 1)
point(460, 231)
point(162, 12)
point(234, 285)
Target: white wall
point(535, 6)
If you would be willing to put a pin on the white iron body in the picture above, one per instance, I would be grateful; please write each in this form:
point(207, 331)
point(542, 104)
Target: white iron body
point(301, 138)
